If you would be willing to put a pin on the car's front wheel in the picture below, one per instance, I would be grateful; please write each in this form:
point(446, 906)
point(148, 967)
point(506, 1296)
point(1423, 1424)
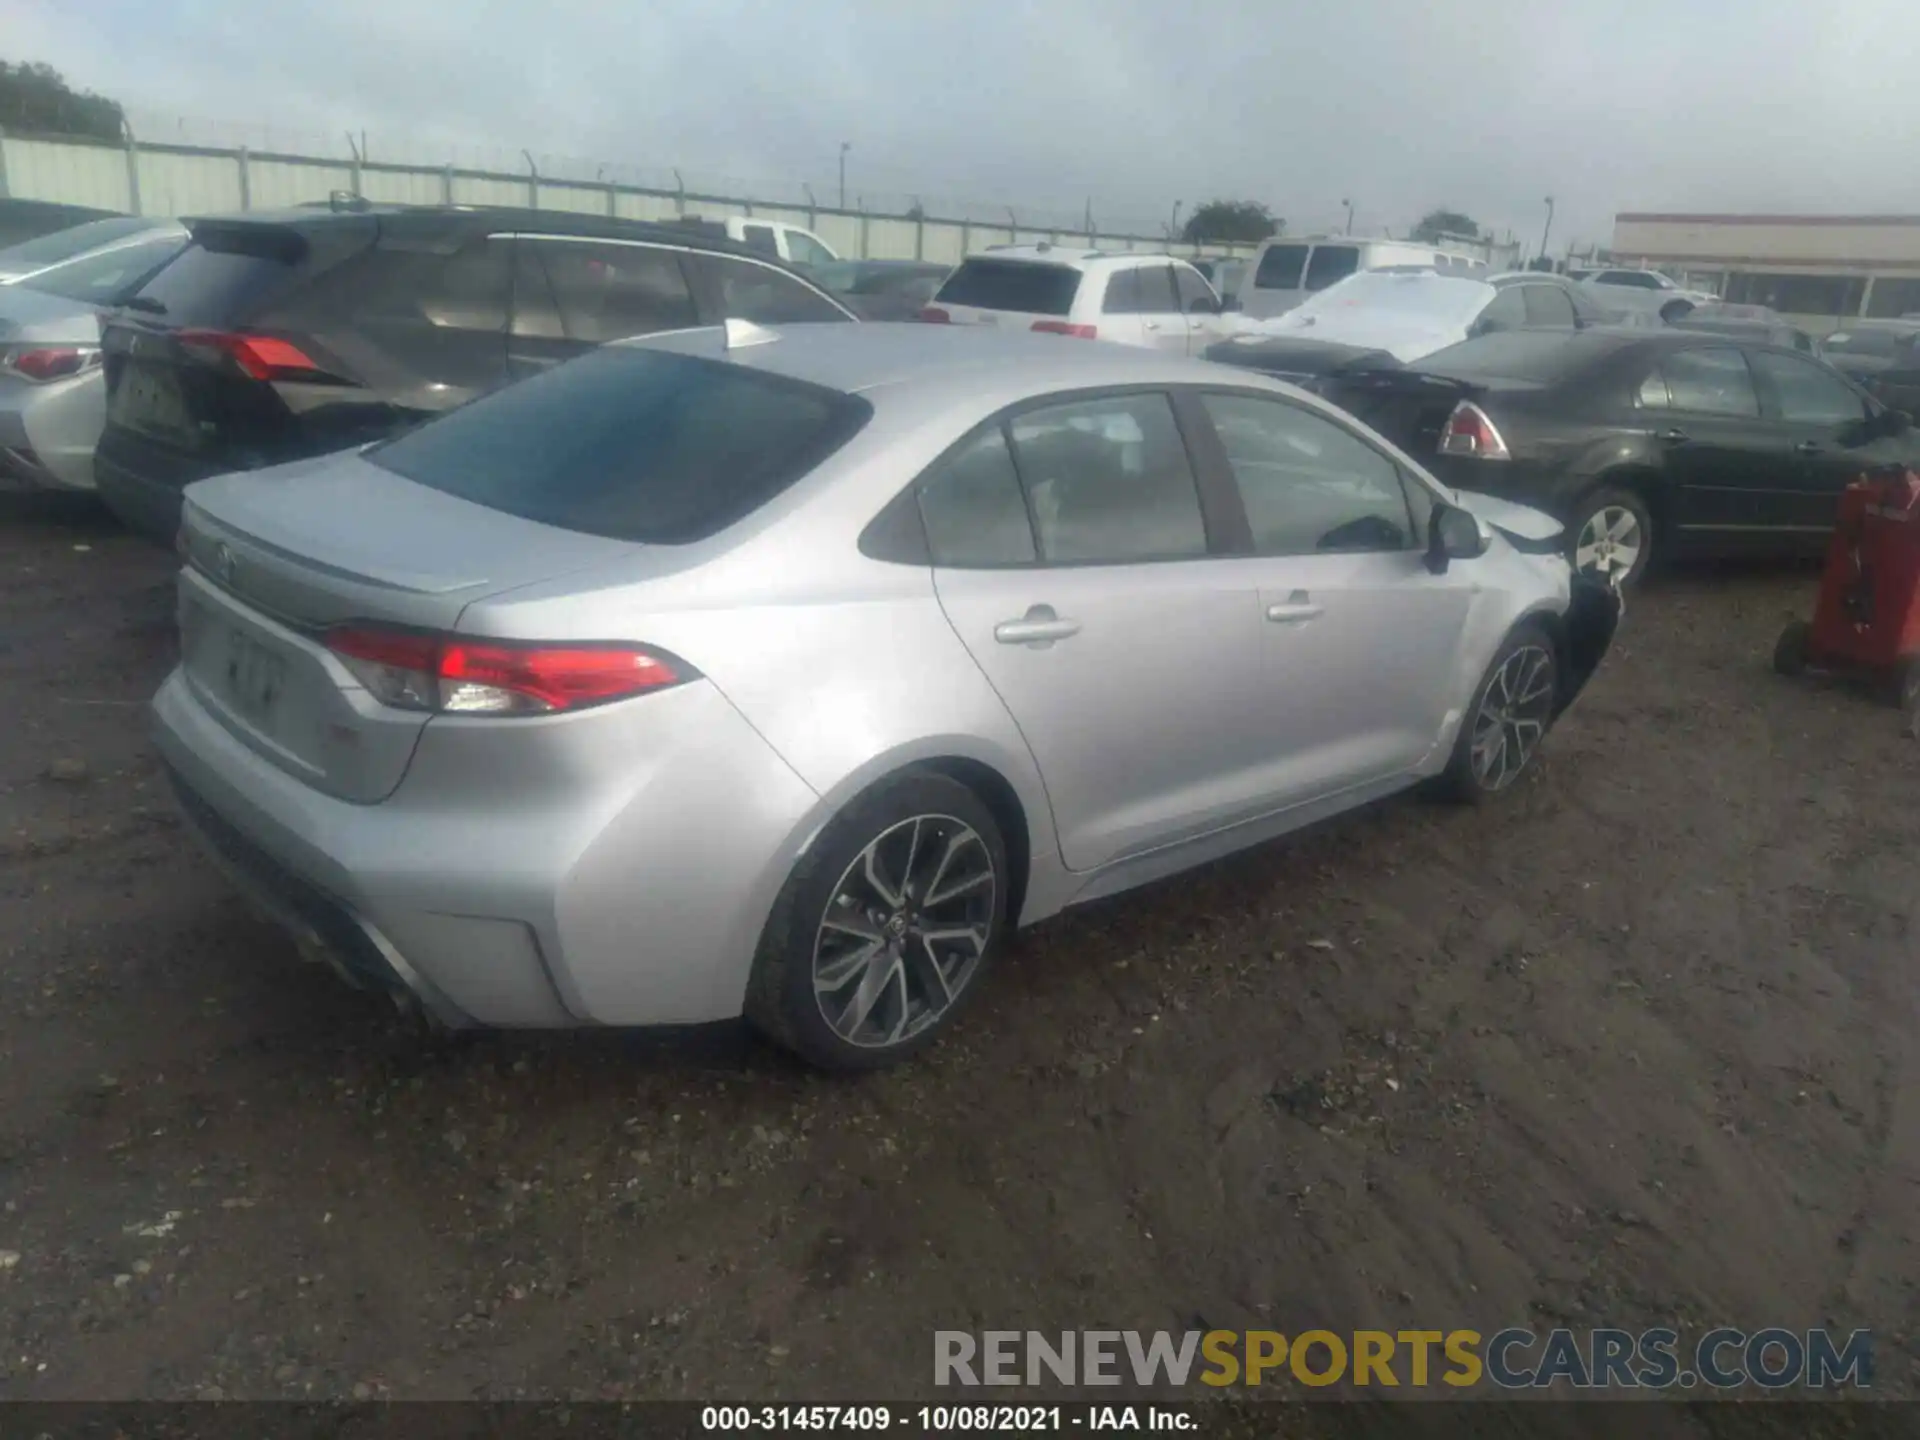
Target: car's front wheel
point(1507, 719)
point(885, 927)
point(1611, 535)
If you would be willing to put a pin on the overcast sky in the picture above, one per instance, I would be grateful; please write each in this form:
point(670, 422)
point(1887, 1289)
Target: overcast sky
point(1486, 107)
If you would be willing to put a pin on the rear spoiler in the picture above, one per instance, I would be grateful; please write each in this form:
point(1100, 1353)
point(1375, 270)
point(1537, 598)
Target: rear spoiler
point(266, 239)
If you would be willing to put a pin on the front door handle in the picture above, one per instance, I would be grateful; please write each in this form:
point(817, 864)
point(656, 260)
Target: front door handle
point(1150, 324)
point(1808, 447)
point(1039, 627)
point(1298, 610)
point(1672, 437)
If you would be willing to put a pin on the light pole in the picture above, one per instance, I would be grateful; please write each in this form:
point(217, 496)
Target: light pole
point(1349, 205)
point(844, 147)
point(1546, 229)
point(1173, 225)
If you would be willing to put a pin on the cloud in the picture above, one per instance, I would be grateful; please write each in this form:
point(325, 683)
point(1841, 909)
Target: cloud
point(1127, 104)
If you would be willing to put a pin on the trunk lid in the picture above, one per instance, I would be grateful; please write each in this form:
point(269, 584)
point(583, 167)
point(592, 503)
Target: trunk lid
point(276, 557)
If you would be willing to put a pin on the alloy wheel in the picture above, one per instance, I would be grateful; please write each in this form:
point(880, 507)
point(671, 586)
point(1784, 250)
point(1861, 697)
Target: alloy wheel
point(1513, 716)
point(904, 930)
point(1610, 543)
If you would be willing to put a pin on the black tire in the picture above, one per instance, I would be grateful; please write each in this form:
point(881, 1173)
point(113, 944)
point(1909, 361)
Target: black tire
point(1591, 509)
point(782, 1000)
point(1910, 697)
point(1793, 650)
point(1463, 780)
point(1676, 310)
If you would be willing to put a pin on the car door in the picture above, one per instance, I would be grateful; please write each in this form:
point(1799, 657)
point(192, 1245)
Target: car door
point(592, 291)
point(1361, 640)
point(1200, 303)
point(1813, 406)
point(1163, 319)
point(1731, 468)
point(1120, 308)
point(1072, 556)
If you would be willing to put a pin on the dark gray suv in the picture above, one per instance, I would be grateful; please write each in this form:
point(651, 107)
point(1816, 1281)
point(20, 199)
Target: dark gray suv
point(280, 335)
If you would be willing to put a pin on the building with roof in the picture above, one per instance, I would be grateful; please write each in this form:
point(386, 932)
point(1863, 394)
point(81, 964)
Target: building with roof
point(1820, 269)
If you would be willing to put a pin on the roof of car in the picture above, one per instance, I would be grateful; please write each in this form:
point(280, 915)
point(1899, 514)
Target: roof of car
point(1073, 255)
point(956, 360)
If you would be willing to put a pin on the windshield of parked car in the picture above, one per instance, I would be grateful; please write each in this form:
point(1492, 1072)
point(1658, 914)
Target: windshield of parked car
point(1031, 287)
point(630, 443)
point(103, 279)
point(1427, 298)
point(65, 244)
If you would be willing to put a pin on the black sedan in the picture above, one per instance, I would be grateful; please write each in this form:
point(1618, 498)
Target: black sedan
point(882, 289)
point(1668, 441)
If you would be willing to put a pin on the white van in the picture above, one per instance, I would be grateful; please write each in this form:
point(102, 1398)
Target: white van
point(1285, 272)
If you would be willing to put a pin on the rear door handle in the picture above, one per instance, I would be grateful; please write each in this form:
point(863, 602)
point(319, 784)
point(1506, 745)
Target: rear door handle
point(1149, 324)
point(1672, 437)
point(1039, 627)
point(1298, 610)
point(1808, 447)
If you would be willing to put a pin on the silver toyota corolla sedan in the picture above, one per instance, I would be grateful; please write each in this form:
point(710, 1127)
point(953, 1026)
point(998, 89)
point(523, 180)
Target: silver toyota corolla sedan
point(782, 672)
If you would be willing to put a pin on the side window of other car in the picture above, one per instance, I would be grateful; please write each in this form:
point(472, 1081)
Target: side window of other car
point(1807, 394)
point(1157, 295)
point(1711, 381)
point(1109, 481)
point(767, 296)
point(1506, 311)
point(805, 250)
point(761, 238)
point(1191, 287)
point(1547, 305)
point(1123, 293)
point(607, 292)
point(972, 507)
point(1309, 485)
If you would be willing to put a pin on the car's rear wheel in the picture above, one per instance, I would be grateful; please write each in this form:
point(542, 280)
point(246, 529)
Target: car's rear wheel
point(1611, 535)
point(885, 928)
point(1508, 718)
point(1792, 652)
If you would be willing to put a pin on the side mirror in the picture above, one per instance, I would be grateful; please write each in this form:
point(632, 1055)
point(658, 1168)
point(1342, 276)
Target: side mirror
point(1453, 534)
point(1203, 305)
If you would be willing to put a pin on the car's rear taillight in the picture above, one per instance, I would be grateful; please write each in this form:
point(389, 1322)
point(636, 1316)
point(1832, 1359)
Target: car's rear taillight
point(1469, 432)
point(1061, 327)
point(262, 357)
point(458, 675)
point(934, 315)
point(40, 363)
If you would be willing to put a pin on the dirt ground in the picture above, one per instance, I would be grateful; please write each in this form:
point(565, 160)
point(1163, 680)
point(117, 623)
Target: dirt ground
point(1637, 1047)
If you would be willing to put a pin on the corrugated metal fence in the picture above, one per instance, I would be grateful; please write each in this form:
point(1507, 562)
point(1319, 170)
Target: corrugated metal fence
point(161, 179)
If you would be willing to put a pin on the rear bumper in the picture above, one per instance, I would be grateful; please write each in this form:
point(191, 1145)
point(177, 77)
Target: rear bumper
point(562, 895)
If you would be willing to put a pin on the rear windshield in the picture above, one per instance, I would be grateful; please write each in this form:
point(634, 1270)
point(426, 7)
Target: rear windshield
point(50, 249)
point(1331, 263)
point(1280, 268)
point(1024, 285)
point(104, 278)
point(631, 443)
point(1546, 356)
point(207, 287)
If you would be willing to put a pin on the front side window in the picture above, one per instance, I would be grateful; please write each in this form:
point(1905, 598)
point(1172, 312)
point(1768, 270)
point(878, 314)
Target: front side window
point(767, 296)
point(1807, 394)
point(608, 292)
point(761, 238)
point(971, 505)
point(1109, 480)
point(1712, 381)
point(1309, 485)
point(1191, 287)
point(1506, 311)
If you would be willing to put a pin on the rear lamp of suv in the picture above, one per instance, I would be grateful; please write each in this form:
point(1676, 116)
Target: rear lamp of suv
point(1468, 432)
point(462, 675)
point(1061, 327)
point(260, 357)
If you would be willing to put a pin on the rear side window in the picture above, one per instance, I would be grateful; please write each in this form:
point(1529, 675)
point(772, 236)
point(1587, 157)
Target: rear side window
point(1710, 382)
point(630, 443)
point(1331, 263)
point(1281, 268)
point(1123, 293)
point(1022, 285)
point(1547, 305)
point(761, 238)
point(767, 296)
point(607, 292)
point(972, 507)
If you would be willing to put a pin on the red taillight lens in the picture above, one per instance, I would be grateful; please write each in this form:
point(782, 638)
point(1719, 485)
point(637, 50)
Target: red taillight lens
point(934, 315)
point(1061, 327)
point(50, 362)
point(262, 357)
point(1469, 432)
point(447, 674)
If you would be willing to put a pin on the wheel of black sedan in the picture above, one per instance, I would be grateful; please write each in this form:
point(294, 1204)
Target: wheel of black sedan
point(885, 928)
point(1611, 535)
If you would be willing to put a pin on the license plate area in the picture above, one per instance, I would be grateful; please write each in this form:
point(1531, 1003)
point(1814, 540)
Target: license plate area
point(150, 398)
point(253, 677)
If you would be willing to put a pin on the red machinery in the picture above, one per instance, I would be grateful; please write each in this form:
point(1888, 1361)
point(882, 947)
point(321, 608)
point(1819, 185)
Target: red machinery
point(1868, 615)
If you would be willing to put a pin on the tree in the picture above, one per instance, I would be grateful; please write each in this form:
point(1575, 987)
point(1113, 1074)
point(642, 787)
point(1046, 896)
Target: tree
point(36, 97)
point(1231, 220)
point(1444, 222)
